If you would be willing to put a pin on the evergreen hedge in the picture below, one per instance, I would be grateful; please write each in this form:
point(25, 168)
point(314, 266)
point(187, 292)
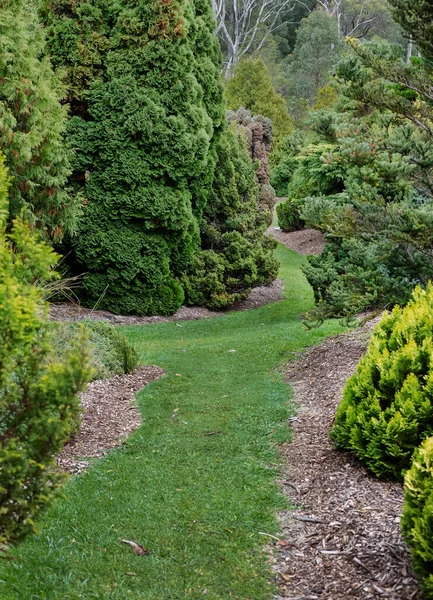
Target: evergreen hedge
point(417, 519)
point(387, 405)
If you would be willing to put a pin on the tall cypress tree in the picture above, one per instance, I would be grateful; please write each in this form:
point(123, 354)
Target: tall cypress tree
point(32, 123)
point(143, 131)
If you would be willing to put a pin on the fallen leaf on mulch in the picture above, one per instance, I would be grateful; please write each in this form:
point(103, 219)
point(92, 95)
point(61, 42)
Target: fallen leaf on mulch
point(138, 549)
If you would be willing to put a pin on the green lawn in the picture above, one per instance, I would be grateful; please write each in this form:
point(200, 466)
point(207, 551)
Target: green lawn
point(195, 501)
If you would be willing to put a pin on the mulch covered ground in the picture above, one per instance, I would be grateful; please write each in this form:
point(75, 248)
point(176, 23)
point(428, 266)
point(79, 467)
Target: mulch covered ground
point(68, 311)
point(110, 415)
point(305, 241)
point(343, 539)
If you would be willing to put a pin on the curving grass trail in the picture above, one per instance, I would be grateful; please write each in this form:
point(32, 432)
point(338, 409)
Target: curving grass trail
point(196, 483)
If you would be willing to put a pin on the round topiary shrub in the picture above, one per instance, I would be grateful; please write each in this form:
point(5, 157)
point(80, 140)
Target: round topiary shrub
point(387, 405)
point(417, 519)
point(289, 218)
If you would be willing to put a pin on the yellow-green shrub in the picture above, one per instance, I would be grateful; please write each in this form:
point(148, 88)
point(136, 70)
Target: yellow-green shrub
point(387, 405)
point(38, 401)
point(417, 519)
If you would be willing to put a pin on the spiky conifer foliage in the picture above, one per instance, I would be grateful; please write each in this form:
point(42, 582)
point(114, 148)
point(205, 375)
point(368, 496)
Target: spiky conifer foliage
point(387, 405)
point(236, 255)
point(143, 135)
point(417, 518)
point(38, 401)
point(32, 124)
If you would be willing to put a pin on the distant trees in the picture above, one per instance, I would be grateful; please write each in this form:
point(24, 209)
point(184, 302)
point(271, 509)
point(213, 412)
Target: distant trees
point(356, 18)
point(316, 50)
point(32, 126)
point(245, 25)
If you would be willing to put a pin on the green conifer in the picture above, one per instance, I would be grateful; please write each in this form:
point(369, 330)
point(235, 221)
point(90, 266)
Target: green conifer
point(32, 124)
point(146, 112)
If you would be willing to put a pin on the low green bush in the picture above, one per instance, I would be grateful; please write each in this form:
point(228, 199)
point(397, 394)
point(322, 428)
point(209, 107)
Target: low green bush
point(387, 405)
point(111, 353)
point(417, 519)
point(288, 212)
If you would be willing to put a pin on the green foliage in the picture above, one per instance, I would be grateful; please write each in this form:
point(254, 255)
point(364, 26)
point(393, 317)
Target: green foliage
point(109, 350)
point(289, 218)
point(285, 162)
point(416, 18)
point(144, 124)
point(236, 255)
point(38, 401)
point(417, 518)
point(251, 87)
point(32, 125)
point(387, 406)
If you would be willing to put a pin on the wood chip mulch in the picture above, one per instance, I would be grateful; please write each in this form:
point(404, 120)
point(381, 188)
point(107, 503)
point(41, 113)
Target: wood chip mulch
point(110, 415)
point(305, 241)
point(343, 538)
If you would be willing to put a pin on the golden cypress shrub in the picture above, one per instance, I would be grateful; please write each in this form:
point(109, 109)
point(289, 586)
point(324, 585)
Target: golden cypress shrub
point(417, 519)
point(387, 405)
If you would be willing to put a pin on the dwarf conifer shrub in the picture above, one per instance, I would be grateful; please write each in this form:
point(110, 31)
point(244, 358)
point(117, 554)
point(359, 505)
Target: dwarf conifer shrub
point(417, 519)
point(38, 401)
point(387, 405)
point(111, 353)
point(32, 126)
point(236, 254)
point(289, 218)
point(145, 116)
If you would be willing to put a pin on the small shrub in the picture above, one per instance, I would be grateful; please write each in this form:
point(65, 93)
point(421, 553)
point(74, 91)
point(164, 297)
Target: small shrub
point(110, 351)
point(289, 218)
point(38, 401)
point(387, 405)
point(417, 519)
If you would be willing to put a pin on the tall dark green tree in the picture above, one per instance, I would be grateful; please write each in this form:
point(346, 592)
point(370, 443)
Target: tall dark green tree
point(145, 117)
point(32, 124)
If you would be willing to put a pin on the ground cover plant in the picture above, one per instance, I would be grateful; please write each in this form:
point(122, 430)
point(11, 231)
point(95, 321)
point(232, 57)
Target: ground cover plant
point(417, 519)
point(110, 352)
point(387, 405)
point(196, 483)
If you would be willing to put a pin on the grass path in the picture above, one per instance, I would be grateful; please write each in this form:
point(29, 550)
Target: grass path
point(196, 483)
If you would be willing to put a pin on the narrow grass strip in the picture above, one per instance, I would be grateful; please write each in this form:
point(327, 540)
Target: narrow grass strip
point(196, 483)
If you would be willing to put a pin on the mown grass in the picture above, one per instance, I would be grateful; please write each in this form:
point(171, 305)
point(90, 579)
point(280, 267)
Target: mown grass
point(196, 483)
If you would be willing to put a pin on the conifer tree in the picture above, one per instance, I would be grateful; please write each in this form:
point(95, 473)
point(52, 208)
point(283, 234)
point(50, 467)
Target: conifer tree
point(149, 106)
point(251, 87)
point(236, 255)
point(32, 123)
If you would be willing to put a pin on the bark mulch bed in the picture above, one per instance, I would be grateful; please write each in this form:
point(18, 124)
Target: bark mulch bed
point(110, 415)
point(306, 241)
point(343, 538)
point(68, 311)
